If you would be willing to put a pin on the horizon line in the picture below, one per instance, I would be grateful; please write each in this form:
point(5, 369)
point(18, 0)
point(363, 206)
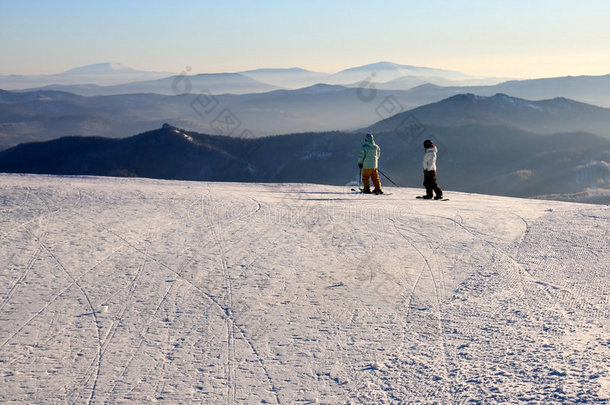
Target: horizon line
point(189, 71)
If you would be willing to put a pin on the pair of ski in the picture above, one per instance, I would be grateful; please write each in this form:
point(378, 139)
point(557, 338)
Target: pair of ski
point(360, 190)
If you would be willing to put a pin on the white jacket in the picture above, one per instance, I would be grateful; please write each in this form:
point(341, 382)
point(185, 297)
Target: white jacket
point(429, 162)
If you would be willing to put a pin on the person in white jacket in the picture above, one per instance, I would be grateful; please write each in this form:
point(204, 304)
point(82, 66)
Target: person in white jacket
point(429, 165)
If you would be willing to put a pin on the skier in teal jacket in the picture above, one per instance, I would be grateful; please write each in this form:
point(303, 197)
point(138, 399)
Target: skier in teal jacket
point(367, 161)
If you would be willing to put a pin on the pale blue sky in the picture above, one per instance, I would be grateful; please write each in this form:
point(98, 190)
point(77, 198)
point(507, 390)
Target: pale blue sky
point(515, 38)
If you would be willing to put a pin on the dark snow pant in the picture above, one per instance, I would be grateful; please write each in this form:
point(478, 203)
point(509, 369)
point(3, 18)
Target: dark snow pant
point(430, 184)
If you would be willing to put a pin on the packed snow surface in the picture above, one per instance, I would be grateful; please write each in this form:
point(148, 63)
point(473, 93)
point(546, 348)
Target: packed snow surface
point(117, 290)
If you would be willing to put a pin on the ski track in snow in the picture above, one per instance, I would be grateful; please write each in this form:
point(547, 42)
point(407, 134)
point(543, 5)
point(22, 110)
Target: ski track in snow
point(226, 310)
point(440, 362)
point(117, 290)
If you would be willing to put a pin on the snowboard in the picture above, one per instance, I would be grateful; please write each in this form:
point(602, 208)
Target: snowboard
point(419, 197)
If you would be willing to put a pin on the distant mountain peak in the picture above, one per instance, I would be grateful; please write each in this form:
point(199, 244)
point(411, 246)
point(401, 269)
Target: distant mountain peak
point(384, 72)
point(170, 129)
point(501, 95)
point(384, 65)
point(277, 70)
point(426, 87)
point(101, 68)
point(404, 69)
point(165, 136)
point(321, 88)
point(498, 97)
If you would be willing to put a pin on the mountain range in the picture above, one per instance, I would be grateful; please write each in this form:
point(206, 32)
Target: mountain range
point(113, 78)
point(473, 158)
point(543, 117)
point(100, 74)
point(587, 89)
point(44, 115)
point(216, 83)
point(494, 143)
point(275, 101)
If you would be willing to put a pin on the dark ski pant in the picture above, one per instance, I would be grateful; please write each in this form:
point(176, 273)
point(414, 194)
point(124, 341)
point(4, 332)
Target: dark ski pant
point(374, 175)
point(430, 184)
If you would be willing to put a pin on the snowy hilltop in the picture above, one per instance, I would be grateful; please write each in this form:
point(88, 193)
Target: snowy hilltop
point(115, 290)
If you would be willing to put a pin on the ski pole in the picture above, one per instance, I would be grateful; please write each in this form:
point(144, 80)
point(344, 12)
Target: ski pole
point(359, 182)
point(383, 174)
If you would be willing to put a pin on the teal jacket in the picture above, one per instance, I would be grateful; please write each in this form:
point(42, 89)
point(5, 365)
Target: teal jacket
point(369, 154)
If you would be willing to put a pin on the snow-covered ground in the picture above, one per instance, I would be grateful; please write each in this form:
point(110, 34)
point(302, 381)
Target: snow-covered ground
point(117, 290)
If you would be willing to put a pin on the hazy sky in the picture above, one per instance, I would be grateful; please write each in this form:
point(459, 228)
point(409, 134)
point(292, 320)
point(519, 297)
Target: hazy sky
point(507, 38)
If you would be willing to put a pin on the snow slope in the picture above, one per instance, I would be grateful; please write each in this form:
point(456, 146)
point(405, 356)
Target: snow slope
point(116, 290)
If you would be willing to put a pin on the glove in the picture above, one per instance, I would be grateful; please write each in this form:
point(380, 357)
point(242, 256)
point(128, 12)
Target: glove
point(360, 165)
